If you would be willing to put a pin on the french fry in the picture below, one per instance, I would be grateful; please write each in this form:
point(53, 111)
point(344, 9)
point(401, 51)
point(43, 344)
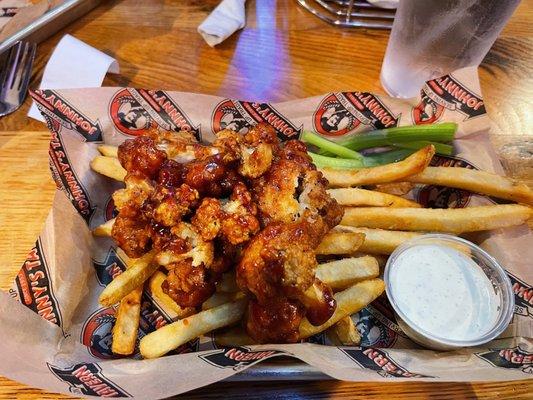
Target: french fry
point(180, 332)
point(235, 336)
point(127, 323)
point(380, 241)
point(394, 188)
point(227, 283)
point(108, 166)
point(139, 271)
point(475, 181)
point(164, 300)
point(108, 151)
point(392, 172)
point(346, 332)
point(457, 220)
point(362, 197)
point(381, 259)
point(341, 274)
point(219, 298)
point(104, 229)
point(340, 243)
point(349, 301)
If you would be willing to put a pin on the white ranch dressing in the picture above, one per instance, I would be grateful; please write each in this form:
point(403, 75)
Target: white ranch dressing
point(443, 292)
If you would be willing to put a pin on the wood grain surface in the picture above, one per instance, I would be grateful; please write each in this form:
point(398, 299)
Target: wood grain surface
point(283, 53)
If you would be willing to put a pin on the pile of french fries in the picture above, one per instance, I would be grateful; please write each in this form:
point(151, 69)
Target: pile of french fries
point(374, 224)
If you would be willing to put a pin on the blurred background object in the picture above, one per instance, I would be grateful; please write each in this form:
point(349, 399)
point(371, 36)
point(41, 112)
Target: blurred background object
point(38, 21)
point(15, 73)
point(434, 37)
point(351, 13)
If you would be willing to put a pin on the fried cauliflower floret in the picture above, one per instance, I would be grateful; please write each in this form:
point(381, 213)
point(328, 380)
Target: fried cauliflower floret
point(255, 161)
point(141, 156)
point(274, 322)
point(293, 186)
point(188, 285)
point(229, 145)
point(128, 201)
point(208, 218)
point(240, 222)
point(275, 193)
point(198, 250)
point(277, 262)
point(253, 151)
point(205, 176)
point(234, 220)
point(226, 255)
point(181, 146)
point(169, 205)
point(132, 235)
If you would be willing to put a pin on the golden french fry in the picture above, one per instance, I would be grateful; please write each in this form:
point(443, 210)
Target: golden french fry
point(380, 241)
point(475, 181)
point(235, 336)
point(139, 271)
point(454, 220)
point(394, 188)
point(108, 166)
point(164, 301)
point(108, 150)
point(171, 336)
point(227, 283)
point(341, 274)
point(362, 197)
point(219, 298)
point(349, 301)
point(127, 323)
point(340, 243)
point(104, 229)
point(393, 172)
point(346, 332)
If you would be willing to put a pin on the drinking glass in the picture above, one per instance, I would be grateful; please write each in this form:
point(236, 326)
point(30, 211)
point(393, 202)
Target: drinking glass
point(431, 38)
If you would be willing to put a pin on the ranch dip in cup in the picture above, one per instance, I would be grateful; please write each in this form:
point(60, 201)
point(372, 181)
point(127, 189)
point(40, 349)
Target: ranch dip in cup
point(447, 292)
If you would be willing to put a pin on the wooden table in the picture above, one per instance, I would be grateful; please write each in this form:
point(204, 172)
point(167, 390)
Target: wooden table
point(284, 53)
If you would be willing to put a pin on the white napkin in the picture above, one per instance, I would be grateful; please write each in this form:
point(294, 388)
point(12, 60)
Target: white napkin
point(74, 64)
point(228, 17)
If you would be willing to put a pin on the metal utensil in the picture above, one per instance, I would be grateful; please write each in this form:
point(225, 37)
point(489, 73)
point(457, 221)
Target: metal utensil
point(350, 13)
point(50, 22)
point(15, 74)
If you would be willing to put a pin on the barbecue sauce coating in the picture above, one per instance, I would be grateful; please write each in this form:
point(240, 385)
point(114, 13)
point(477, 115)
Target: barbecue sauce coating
point(275, 321)
point(141, 155)
point(247, 202)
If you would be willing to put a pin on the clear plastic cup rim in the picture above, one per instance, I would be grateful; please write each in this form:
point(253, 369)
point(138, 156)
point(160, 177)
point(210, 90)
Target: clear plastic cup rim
point(505, 286)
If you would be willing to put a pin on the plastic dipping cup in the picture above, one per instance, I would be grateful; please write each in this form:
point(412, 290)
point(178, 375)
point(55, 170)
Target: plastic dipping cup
point(447, 292)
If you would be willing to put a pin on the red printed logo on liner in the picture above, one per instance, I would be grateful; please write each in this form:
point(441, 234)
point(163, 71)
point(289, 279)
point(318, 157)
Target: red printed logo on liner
point(239, 116)
point(340, 113)
point(134, 111)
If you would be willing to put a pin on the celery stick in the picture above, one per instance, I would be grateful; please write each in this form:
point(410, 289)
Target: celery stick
point(440, 148)
point(387, 157)
point(320, 142)
point(385, 137)
point(336, 163)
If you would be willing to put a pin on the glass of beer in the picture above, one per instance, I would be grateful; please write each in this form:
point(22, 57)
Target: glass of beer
point(431, 38)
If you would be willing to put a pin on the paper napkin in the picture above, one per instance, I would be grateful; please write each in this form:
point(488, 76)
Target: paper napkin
point(74, 64)
point(228, 17)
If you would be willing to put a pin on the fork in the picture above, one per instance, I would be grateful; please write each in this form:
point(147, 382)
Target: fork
point(15, 74)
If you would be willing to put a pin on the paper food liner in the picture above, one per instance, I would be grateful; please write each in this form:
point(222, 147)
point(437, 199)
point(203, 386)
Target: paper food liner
point(9, 8)
point(57, 337)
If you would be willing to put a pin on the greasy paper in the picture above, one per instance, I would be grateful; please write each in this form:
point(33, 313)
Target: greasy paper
point(57, 336)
